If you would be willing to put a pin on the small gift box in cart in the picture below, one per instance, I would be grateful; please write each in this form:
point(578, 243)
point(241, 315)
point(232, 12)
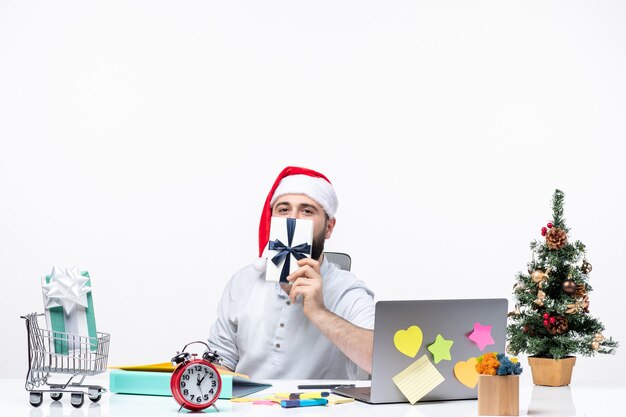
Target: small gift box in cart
point(70, 346)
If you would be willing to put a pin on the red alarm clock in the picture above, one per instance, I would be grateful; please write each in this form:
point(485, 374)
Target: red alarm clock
point(195, 382)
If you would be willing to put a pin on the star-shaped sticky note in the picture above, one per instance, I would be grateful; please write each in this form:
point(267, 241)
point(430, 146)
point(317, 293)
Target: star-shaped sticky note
point(481, 335)
point(441, 349)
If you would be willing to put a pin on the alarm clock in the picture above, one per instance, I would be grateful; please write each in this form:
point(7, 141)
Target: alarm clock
point(196, 383)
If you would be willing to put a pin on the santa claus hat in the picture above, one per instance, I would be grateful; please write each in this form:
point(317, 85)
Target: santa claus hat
point(297, 180)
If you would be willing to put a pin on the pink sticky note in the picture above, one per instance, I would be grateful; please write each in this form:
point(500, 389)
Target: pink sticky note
point(263, 402)
point(481, 335)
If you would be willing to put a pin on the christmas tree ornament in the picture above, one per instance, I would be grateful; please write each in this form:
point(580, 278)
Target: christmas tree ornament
point(595, 343)
point(515, 312)
point(557, 325)
point(581, 291)
point(569, 286)
point(578, 306)
point(573, 308)
point(586, 267)
point(549, 225)
point(556, 238)
point(543, 231)
point(541, 296)
point(538, 275)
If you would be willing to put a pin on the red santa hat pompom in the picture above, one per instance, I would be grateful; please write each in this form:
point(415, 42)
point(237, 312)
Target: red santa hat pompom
point(297, 180)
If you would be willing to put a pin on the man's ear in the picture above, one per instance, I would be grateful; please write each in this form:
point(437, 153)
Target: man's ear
point(330, 225)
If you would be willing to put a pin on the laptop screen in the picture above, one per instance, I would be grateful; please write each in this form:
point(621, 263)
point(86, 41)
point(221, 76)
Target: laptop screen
point(451, 334)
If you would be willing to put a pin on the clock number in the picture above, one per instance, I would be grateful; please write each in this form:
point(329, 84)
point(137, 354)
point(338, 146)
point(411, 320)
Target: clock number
point(206, 397)
point(186, 392)
point(210, 374)
point(199, 399)
point(211, 391)
point(183, 384)
point(198, 368)
point(186, 377)
point(213, 383)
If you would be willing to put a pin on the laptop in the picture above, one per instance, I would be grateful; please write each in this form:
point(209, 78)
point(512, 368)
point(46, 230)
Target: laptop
point(452, 319)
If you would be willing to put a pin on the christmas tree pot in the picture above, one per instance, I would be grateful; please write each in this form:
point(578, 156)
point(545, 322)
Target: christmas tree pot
point(498, 395)
point(552, 372)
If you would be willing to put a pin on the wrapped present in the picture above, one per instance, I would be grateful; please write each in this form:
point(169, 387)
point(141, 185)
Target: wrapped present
point(290, 240)
point(69, 310)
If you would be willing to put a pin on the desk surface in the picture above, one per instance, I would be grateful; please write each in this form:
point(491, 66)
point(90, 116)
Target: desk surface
point(578, 400)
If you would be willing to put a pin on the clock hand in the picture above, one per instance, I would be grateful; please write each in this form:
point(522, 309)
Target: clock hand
point(200, 384)
point(200, 380)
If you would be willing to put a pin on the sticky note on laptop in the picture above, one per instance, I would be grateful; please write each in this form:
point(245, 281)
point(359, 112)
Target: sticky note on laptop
point(418, 379)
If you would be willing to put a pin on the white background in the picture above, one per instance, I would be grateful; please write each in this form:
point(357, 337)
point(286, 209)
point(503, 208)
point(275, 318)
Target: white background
point(138, 140)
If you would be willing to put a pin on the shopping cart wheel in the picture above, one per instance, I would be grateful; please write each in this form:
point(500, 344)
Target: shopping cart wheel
point(56, 396)
point(35, 399)
point(95, 393)
point(78, 398)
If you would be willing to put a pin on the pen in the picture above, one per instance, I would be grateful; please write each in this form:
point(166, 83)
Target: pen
point(302, 395)
point(303, 403)
point(326, 386)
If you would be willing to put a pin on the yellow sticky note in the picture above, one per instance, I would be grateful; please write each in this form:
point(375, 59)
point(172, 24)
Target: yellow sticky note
point(338, 399)
point(408, 341)
point(418, 379)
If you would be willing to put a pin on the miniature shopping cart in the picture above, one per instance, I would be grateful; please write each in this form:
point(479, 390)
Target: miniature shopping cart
point(51, 352)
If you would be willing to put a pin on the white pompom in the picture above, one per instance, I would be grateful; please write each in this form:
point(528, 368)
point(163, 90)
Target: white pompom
point(259, 264)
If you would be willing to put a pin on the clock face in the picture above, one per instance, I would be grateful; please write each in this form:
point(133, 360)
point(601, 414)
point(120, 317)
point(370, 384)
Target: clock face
point(199, 384)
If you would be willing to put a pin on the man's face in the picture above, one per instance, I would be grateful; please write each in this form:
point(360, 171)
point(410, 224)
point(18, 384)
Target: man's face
point(299, 206)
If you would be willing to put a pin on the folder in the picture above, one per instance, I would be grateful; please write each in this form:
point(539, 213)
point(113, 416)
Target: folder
point(149, 381)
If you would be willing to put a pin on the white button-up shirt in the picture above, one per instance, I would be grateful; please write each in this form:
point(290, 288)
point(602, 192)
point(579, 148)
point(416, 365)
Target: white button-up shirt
point(259, 332)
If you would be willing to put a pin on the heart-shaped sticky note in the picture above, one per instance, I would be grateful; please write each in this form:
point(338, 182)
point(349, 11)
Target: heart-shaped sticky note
point(466, 373)
point(408, 341)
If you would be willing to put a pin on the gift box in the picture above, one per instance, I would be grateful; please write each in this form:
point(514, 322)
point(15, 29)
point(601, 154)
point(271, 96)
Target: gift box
point(290, 240)
point(69, 310)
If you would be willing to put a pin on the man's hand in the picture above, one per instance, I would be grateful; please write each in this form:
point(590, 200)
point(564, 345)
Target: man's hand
point(307, 281)
point(355, 342)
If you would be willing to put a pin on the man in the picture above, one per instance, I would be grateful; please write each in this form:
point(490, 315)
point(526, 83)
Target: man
point(316, 327)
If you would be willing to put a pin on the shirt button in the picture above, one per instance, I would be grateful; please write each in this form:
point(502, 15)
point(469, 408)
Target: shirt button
point(288, 303)
point(277, 345)
point(282, 324)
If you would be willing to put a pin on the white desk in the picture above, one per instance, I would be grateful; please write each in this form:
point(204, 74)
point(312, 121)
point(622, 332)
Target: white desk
point(578, 400)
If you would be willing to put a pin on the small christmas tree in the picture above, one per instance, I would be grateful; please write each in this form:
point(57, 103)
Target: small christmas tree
point(551, 317)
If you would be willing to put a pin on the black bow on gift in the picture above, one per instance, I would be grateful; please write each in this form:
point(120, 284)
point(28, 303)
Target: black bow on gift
point(299, 251)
